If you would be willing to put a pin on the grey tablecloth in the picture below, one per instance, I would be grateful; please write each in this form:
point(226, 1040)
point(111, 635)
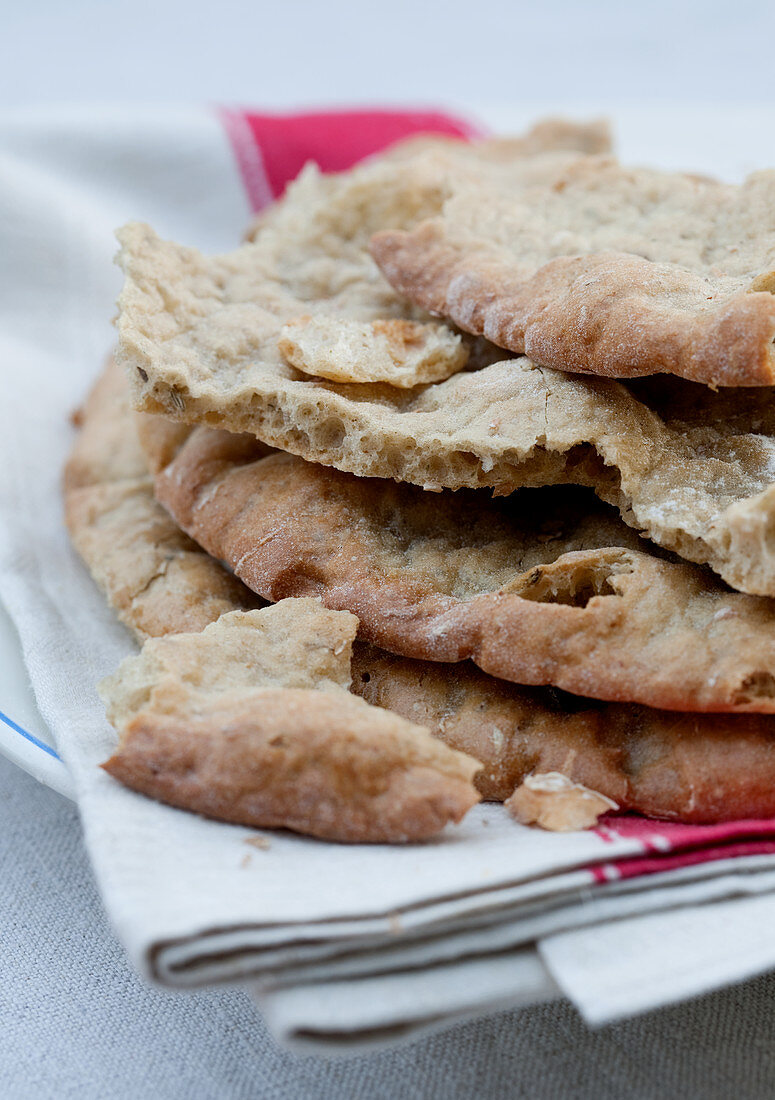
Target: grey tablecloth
point(77, 1022)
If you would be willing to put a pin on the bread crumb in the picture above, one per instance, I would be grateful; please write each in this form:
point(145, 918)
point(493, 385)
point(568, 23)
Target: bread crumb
point(258, 841)
point(554, 802)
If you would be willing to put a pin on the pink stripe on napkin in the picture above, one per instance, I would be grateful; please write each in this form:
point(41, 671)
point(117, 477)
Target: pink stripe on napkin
point(652, 864)
point(668, 836)
point(667, 845)
point(271, 149)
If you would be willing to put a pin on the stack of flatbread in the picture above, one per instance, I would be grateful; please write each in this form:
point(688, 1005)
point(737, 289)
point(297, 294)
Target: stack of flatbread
point(455, 481)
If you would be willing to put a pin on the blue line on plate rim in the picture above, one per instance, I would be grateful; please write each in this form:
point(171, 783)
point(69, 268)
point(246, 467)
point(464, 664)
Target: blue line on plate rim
point(29, 736)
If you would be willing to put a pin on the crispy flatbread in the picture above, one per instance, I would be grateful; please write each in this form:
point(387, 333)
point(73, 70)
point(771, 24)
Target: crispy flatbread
point(543, 587)
point(688, 767)
point(199, 338)
point(155, 578)
point(251, 720)
point(603, 269)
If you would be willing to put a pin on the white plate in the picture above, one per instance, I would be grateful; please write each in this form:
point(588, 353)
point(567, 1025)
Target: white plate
point(24, 738)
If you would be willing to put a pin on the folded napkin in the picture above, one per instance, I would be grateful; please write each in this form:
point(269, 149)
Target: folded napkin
point(344, 945)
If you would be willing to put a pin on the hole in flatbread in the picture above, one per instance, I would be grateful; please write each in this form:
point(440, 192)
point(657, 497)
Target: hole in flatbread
point(331, 434)
point(757, 685)
point(573, 584)
point(466, 458)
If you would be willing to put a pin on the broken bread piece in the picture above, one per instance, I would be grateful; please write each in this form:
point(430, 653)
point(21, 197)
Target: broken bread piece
point(553, 801)
point(401, 353)
point(251, 721)
point(603, 269)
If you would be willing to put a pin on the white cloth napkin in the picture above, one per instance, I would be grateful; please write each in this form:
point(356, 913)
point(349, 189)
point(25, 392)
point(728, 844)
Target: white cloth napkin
point(346, 944)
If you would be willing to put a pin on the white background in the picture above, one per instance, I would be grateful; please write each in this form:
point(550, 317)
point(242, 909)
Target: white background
point(290, 52)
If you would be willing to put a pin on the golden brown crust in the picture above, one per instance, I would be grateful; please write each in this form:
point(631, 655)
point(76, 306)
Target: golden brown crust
point(328, 767)
point(155, 577)
point(602, 269)
point(600, 314)
point(695, 768)
point(546, 587)
point(217, 722)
